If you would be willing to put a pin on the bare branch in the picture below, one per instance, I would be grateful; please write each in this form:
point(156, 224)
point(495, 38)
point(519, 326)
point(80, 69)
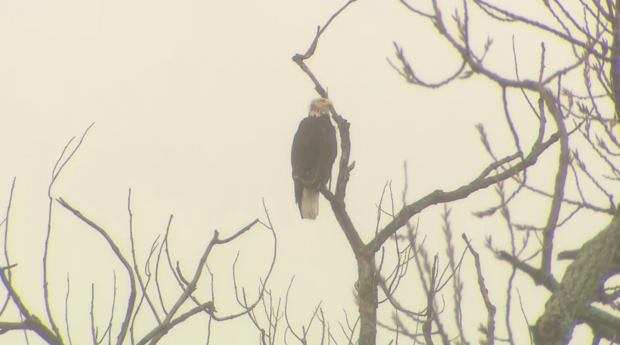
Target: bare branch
point(156, 334)
point(6, 244)
point(67, 310)
point(143, 287)
point(490, 328)
point(55, 174)
point(438, 196)
point(31, 321)
point(132, 280)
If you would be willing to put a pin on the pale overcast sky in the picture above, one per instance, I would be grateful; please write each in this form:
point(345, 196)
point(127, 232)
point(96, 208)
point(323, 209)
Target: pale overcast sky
point(195, 105)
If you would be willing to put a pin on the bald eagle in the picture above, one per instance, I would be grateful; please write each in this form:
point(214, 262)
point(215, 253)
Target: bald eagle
point(312, 156)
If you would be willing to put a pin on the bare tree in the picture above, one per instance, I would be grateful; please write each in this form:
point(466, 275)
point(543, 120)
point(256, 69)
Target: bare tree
point(143, 285)
point(583, 119)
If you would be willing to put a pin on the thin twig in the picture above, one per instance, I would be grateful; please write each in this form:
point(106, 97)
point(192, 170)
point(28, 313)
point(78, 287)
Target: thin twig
point(55, 174)
point(484, 292)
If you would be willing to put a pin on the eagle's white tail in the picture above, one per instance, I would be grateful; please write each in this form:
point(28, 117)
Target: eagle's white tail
point(309, 203)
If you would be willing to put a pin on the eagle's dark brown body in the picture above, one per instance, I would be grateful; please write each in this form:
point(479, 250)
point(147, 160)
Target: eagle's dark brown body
point(312, 157)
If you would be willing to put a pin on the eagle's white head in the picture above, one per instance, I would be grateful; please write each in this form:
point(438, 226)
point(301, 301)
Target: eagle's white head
point(320, 106)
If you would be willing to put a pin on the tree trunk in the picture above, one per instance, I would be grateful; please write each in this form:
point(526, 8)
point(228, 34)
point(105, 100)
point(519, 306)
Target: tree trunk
point(367, 297)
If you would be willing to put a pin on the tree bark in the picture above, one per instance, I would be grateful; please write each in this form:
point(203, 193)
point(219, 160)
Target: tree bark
point(581, 285)
point(367, 297)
